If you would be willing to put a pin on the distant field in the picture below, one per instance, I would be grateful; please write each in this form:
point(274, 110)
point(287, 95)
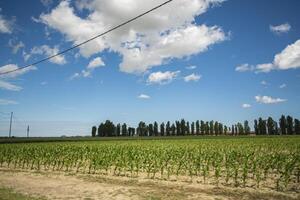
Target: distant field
point(266, 162)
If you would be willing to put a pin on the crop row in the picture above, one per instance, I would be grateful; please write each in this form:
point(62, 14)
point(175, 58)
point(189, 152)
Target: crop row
point(237, 164)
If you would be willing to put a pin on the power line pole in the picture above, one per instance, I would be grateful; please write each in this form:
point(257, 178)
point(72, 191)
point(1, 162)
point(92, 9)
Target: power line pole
point(11, 115)
point(28, 131)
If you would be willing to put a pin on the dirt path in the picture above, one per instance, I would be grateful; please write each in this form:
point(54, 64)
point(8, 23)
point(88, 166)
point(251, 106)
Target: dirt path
point(50, 185)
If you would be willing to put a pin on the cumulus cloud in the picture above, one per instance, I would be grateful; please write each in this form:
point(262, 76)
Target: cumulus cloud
point(6, 26)
point(289, 58)
point(11, 67)
point(246, 105)
point(4, 83)
point(143, 96)
point(191, 67)
point(282, 86)
point(162, 77)
point(244, 68)
point(93, 64)
point(15, 46)
point(75, 76)
point(45, 50)
point(82, 74)
point(264, 83)
point(267, 67)
point(96, 62)
point(282, 28)
point(46, 3)
point(9, 86)
point(7, 102)
point(268, 100)
point(151, 41)
point(192, 77)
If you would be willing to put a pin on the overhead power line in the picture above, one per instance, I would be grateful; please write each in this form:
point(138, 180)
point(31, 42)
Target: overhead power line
point(82, 43)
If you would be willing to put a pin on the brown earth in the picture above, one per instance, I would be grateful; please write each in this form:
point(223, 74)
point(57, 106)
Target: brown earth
point(58, 185)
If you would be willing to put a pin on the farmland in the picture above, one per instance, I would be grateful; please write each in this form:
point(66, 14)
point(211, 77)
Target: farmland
point(243, 162)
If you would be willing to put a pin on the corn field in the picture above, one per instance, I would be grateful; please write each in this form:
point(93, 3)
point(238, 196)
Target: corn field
point(272, 162)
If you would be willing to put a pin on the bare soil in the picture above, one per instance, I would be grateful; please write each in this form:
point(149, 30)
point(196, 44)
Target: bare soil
point(59, 185)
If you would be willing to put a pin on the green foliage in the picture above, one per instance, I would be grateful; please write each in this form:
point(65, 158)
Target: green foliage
point(239, 162)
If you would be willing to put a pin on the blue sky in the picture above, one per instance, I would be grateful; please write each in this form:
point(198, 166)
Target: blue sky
point(227, 61)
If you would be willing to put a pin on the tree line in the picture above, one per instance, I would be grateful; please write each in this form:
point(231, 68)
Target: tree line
point(285, 126)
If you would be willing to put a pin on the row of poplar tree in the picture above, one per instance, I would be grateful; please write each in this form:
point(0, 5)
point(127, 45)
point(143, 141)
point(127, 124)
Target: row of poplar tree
point(285, 126)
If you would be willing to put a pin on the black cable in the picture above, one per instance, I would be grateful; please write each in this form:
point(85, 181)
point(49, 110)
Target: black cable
point(82, 43)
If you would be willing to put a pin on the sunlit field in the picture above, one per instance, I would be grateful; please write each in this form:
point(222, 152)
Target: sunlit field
point(256, 162)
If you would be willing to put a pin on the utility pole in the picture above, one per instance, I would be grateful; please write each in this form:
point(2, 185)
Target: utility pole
point(28, 131)
point(11, 115)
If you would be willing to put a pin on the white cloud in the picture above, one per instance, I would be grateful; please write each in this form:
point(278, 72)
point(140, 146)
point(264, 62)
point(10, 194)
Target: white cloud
point(162, 77)
point(48, 51)
point(191, 67)
point(267, 67)
point(246, 105)
point(7, 102)
point(268, 99)
point(16, 46)
point(11, 67)
point(289, 58)
point(6, 26)
point(143, 96)
point(192, 77)
point(150, 41)
point(244, 68)
point(4, 84)
point(282, 86)
point(44, 83)
point(282, 28)
point(9, 86)
point(75, 75)
point(97, 62)
point(264, 83)
point(46, 3)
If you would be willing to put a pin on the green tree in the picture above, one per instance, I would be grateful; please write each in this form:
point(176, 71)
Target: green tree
point(206, 128)
point(118, 129)
point(246, 127)
point(197, 127)
point(240, 129)
point(216, 128)
point(256, 127)
point(94, 130)
point(203, 127)
point(168, 129)
point(124, 129)
point(187, 128)
point(173, 129)
point(297, 126)
point(142, 129)
point(182, 127)
point(211, 127)
point(100, 130)
point(262, 126)
point(282, 124)
point(162, 129)
point(155, 129)
point(221, 129)
point(151, 129)
point(270, 126)
point(193, 128)
point(289, 125)
point(178, 131)
point(232, 130)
